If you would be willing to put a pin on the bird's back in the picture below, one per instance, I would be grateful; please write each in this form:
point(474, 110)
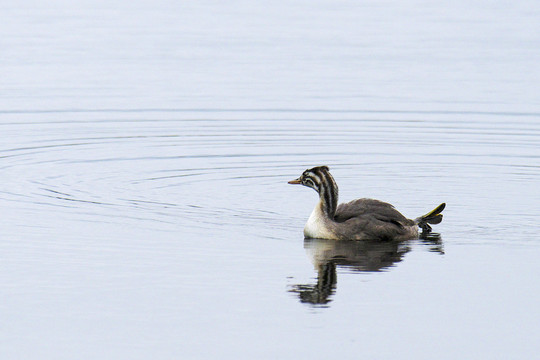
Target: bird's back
point(363, 207)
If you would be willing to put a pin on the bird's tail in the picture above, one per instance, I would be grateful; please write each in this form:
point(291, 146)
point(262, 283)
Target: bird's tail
point(433, 217)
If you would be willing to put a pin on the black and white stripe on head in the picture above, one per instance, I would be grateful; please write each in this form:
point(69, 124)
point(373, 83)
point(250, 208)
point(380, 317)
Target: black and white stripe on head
point(311, 179)
point(320, 179)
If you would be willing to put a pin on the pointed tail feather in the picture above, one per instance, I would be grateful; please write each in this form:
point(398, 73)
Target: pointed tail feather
point(433, 217)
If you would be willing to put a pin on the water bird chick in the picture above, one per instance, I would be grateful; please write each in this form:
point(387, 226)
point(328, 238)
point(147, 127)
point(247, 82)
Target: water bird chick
point(361, 219)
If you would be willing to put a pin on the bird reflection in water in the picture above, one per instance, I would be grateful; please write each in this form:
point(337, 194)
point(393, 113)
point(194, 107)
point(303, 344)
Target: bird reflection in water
point(355, 256)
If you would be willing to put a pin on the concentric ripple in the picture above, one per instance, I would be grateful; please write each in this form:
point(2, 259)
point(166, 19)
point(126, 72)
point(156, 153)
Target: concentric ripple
point(189, 169)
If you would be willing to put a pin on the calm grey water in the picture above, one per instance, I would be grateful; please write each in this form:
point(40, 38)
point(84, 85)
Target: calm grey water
point(145, 153)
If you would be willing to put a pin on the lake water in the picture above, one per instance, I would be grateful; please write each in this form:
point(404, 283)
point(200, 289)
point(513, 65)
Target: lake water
point(145, 153)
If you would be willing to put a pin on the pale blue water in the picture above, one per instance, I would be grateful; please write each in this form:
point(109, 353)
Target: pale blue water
point(145, 154)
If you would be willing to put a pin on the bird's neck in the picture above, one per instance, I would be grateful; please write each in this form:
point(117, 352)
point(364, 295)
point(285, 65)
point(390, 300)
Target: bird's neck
point(328, 198)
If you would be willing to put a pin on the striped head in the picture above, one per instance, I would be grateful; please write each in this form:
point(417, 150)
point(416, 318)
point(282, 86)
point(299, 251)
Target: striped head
point(320, 180)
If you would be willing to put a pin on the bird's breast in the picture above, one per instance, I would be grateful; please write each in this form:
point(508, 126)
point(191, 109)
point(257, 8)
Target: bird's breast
point(317, 226)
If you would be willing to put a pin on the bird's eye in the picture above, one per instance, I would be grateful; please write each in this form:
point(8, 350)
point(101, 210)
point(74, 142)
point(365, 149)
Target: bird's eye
point(308, 182)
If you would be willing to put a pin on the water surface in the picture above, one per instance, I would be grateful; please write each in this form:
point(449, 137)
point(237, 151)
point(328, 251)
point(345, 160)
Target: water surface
point(145, 154)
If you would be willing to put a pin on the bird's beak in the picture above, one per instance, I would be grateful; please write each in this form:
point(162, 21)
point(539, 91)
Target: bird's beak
point(295, 181)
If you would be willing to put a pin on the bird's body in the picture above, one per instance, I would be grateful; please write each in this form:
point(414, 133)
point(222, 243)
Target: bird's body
point(361, 219)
